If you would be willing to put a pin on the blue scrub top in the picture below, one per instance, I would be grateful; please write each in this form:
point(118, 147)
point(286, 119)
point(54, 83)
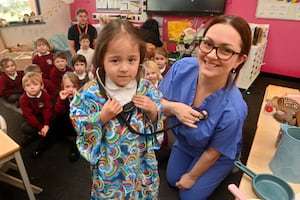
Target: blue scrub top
point(226, 109)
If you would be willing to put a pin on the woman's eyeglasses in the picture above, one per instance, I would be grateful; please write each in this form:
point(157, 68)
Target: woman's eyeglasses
point(223, 53)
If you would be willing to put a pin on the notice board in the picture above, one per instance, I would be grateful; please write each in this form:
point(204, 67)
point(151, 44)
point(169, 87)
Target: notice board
point(278, 9)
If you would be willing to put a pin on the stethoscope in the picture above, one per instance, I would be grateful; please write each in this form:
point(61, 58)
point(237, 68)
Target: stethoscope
point(129, 107)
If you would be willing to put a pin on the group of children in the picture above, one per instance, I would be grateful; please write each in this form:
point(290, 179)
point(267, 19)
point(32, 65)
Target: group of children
point(54, 106)
point(43, 91)
point(26, 90)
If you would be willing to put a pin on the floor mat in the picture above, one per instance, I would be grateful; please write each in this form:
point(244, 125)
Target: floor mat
point(11, 106)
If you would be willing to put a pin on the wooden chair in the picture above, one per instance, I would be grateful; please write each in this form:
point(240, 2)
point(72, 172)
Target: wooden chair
point(9, 150)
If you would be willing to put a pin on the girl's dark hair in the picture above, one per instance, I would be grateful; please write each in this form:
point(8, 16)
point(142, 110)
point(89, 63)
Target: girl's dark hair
point(78, 58)
point(112, 30)
point(242, 27)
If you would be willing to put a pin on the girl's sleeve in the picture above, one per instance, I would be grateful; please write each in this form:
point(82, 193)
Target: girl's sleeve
point(156, 97)
point(85, 110)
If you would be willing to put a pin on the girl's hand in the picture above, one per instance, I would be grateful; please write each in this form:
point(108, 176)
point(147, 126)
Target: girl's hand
point(63, 94)
point(110, 109)
point(186, 182)
point(146, 104)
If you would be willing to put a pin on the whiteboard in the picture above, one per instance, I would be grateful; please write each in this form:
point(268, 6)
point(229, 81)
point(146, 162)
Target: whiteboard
point(278, 9)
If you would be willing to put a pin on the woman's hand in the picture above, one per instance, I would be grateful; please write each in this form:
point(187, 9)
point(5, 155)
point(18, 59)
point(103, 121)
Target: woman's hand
point(110, 109)
point(184, 113)
point(186, 182)
point(146, 104)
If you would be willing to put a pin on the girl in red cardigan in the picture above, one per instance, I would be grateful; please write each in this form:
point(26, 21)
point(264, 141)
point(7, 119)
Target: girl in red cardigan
point(10, 81)
point(70, 84)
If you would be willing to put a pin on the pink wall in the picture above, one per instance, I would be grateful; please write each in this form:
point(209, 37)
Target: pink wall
point(281, 56)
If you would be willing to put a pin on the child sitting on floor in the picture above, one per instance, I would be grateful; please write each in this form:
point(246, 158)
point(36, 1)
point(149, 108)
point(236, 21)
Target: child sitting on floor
point(48, 85)
point(69, 86)
point(43, 57)
point(61, 67)
point(79, 65)
point(161, 59)
point(10, 81)
point(37, 111)
point(88, 53)
point(152, 72)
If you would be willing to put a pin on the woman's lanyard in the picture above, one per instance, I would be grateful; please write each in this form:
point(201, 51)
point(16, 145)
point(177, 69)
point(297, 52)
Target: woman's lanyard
point(79, 29)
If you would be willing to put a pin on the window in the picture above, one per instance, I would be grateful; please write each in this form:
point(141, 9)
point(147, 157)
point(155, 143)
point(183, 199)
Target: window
point(14, 10)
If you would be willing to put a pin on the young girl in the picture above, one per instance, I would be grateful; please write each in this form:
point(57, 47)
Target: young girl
point(43, 58)
point(110, 112)
point(161, 59)
point(79, 64)
point(152, 72)
point(10, 81)
point(70, 84)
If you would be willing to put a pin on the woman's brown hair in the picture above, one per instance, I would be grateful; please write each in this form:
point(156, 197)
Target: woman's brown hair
point(242, 27)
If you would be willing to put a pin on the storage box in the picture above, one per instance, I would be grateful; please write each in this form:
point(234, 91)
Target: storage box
point(22, 58)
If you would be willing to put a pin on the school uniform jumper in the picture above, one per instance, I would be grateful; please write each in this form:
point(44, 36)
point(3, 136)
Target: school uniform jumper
point(222, 130)
point(8, 86)
point(56, 76)
point(45, 62)
point(37, 111)
point(123, 164)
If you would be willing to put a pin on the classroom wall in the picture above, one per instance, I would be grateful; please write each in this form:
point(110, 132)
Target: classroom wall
point(282, 54)
point(58, 23)
point(281, 57)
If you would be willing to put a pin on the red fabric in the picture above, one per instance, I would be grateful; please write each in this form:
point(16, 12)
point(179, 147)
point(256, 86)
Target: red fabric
point(9, 86)
point(45, 62)
point(34, 107)
point(165, 71)
point(50, 88)
point(61, 107)
point(56, 76)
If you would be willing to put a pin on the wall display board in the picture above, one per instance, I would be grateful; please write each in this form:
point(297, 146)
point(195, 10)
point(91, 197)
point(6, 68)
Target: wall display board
point(278, 9)
point(119, 5)
point(133, 10)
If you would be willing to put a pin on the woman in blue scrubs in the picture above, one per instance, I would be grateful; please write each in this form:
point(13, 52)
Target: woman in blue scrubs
point(205, 149)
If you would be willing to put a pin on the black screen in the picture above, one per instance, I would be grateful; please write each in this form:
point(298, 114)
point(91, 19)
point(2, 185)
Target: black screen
point(186, 7)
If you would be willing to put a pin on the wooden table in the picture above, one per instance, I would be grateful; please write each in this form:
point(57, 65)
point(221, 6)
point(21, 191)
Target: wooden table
point(263, 146)
point(9, 150)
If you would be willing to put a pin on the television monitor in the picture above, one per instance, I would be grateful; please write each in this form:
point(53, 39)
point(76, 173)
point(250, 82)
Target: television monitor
point(186, 7)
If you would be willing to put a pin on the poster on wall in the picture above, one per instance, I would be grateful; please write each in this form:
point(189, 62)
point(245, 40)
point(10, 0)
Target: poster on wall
point(278, 9)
